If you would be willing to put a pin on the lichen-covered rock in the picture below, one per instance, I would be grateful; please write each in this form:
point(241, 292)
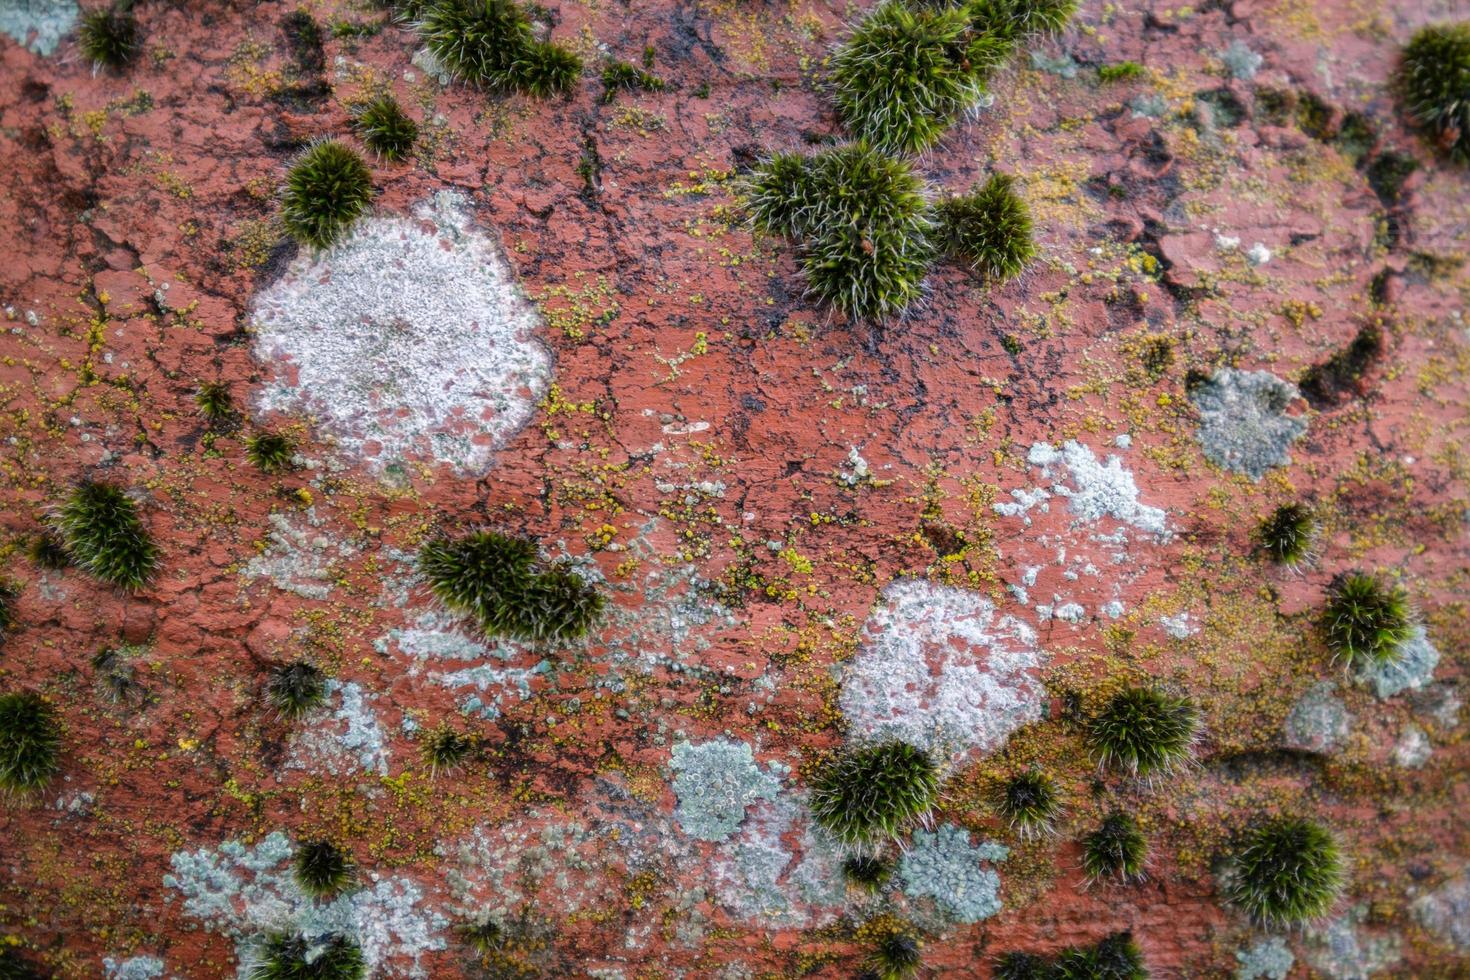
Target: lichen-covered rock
point(1341, 949)
point(1446, 911)
point(944, 866)
point(1318, 721)
point(38, 24)
point(1268, 959)
point(1244, 427)
point(1410, 670)
point(714, 783)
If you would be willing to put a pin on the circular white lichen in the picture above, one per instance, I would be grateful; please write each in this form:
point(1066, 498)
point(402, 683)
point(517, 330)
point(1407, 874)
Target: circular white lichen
point(940, 670)
point(410, 340)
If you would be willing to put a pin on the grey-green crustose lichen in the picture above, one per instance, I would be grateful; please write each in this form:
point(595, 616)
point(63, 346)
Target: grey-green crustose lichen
point(715, 782)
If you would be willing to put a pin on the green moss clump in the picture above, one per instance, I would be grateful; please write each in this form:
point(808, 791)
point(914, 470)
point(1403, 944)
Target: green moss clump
point(1030, 802)
point(906, 71)
point(867, 871)
point(270, 451)
point(490, 43)
point(1123, 71)
point(287, 956)
point(990, 228)
point(103, 534)
point(1116, 849)
point(445, 749)
point(46, 550)
point(322, 869)
point(619, 76)
point(109, 36)
point(1144, 731)
point(214, 401)
point(1015, 20)
point(296, 688)
point(874, 793)
point(1287, 535)
point(30, 743)
point(385, 128)
point(896, 956)
point(1114, 957)
point(327, 189)
point(1021, 966)
point(1285, 871)
point(1365, 621)
point(9, 593)
point(1434, 85)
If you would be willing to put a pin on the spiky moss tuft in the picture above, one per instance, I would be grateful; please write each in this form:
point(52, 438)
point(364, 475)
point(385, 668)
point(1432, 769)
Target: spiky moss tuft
point(9, 593)
point(989, 228)
point(1021, 966)
point(214, 402)
point(483, 935)
point(1287, 535)
point(861, 221)
point(1365, 621)
point(895, 956)
point(1116, 849)
point(1030, 802)
point(495, 578)
point(446, 749)
point(1434, 85)
point(117, 676)
point(327, 189)
point(1285, 871)
point(1015, 20)
point(874, 793)
point(30, 743)
point(906, 72)
point(322, 869)
point(1114, 957)
point(46, 550)
point(490, 43)
point(1144, 731)
point(14, 965)
point(109, 37)
point(270, 451)
point(287, 956)
point(385, 128)
point(867, 871)
point(619, 76)
point(296, 688)
point(100, 527)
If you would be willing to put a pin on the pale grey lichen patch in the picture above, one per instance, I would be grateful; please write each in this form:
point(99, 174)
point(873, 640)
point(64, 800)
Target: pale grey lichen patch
point(757, 876)
point(1318, 721)
point(1340, 950)
point(1446, 911)
point(940, 669)
point(38, 24)
point(1412, 749)
point(714, 782)
point(1096, 489)
point(434, 637)
point(134, 968)
point(244, 892)
point(493, 686)
point(1268, 959)
point(1244, 427)
point(1412, 669)
point(1240, 60)
point(350, 737)
point(298, 558)
point(943, 865)
point(410, 340)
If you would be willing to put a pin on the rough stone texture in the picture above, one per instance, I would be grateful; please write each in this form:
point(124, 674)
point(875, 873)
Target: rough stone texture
point(1343, 950)
point(1446, 911)
point(1318, 721)
point(1243, 422)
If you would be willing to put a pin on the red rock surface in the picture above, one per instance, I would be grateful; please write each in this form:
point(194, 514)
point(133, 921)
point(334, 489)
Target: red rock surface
point(141, 215)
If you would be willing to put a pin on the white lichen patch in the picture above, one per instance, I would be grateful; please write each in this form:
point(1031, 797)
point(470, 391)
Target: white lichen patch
point(134, 968)
point(940, 669)
point(1410, 670)
point(38, 24)
point(298, 557)
point(1446, 911)
point(435, 639)
point(1244, 427)
point(246, 892)
point(944, 866)
point(1268, 959)
point(758, 876)
point(408, 341)
point(1318, 721)
point(347, 738)
point(1096, 489)
point(1340, 948)
point(714, 782)
point(1412, 749)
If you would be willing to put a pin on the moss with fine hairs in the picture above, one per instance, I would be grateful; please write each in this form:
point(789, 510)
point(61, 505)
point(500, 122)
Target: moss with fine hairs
point(874, 793)
point(14, 965)
point(46, 550)
point(896, 955)
point(620, 76)
point(1017, 965)
point(1287, 534)
point(1366, 621)
point(109, 36)
point(1433, 80)
point(868, 871)
point(296, 688)
point(1016, 20)
point(1144, 731)
point(1285, 871)
point(290, 956)
point(104, 535)
point(906, 71)
point(214, 401)
point(446, 749)
point(1029, 800)
point(270, 451)
point(1116, 849)
point(327, 189)
point(988, 228)
point(491, 43)
point(1114, 957)
point(385, 128)
point(30, 743)
point(322, 868)
point(9, 594)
